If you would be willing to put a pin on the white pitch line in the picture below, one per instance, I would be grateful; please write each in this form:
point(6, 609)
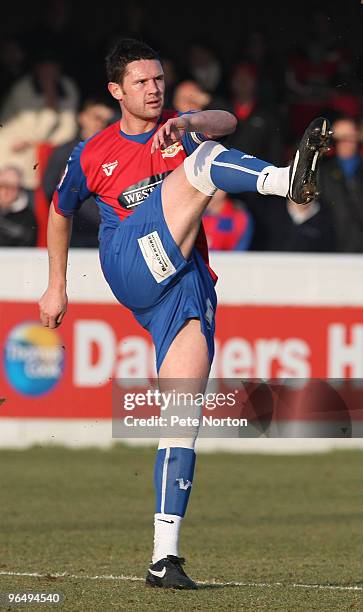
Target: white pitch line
point(201, 582)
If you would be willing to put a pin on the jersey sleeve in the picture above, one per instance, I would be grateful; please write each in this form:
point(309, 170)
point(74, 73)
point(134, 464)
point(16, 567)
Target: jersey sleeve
point(192, 140)
point(72, 189)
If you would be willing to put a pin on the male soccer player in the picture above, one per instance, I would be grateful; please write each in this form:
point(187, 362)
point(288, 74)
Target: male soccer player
point(152, 174)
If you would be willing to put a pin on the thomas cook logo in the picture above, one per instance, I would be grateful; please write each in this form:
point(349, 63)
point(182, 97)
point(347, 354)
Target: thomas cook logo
point(33, 358)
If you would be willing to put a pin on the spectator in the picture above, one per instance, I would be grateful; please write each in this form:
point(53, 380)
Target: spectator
point(17, 221)
point(45, 85)
point(257, 50)
point(345, 101)
point(12, 64)
point(40, 107)
point(258, 130)
point(188, 95)
point(94, 116)
point(56, 29)
point(313, 70)
point(171, 78)
point(228, 225)
point(205, 67)
point(341, 186)
point(308, 228)
point(281, 225)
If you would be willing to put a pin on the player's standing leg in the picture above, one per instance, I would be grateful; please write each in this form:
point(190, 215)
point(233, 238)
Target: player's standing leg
point(187, 360)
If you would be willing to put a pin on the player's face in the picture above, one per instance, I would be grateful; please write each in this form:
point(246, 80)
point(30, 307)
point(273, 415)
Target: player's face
point(142, 89)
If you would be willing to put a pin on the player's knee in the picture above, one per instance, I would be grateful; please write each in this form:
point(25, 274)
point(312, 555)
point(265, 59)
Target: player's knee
point(184, 432)
point(198, 165)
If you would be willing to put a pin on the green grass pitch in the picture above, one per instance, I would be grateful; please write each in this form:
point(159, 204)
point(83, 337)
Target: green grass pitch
point(276, 524)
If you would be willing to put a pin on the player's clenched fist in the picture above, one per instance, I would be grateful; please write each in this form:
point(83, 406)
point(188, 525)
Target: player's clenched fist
point(170, 132)
point(53, 307)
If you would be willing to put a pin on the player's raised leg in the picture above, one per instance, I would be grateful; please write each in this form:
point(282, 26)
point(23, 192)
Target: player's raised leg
point(186, 191)
point(185, 194)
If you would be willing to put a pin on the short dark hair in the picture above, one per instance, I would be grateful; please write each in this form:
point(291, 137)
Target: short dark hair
point(125, 51)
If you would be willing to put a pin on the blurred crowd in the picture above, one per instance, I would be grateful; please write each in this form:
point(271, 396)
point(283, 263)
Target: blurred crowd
point(49, 102)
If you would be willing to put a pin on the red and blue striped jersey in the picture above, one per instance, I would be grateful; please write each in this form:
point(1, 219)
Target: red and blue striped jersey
point(120, 172)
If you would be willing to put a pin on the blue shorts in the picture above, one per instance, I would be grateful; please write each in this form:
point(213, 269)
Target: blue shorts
point(148, 274)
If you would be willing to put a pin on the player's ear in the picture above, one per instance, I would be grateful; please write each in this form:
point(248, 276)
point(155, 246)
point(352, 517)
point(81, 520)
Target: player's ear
point(115, 90)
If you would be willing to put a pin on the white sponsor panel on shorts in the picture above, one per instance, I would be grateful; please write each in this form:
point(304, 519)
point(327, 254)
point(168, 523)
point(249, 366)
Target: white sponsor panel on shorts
point(156, 257)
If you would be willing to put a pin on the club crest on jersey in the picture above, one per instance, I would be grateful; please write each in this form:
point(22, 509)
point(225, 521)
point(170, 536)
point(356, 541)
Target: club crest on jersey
point(172, 150)
point(109, 168)
point(137, 193)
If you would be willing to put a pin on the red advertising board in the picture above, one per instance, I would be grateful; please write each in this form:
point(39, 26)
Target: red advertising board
point(67, 372)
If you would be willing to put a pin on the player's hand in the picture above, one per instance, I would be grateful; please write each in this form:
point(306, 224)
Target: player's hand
point(169, 133)
point(53, 307)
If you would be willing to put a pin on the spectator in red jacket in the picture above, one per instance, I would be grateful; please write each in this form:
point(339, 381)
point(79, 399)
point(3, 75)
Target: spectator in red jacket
point(228, 225)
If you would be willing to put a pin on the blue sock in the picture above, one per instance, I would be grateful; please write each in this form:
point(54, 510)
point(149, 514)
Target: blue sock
point(235, 171)
point(173, 478)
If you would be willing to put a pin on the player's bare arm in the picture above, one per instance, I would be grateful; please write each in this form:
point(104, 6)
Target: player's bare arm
point(213, 123)
point(53, 303)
